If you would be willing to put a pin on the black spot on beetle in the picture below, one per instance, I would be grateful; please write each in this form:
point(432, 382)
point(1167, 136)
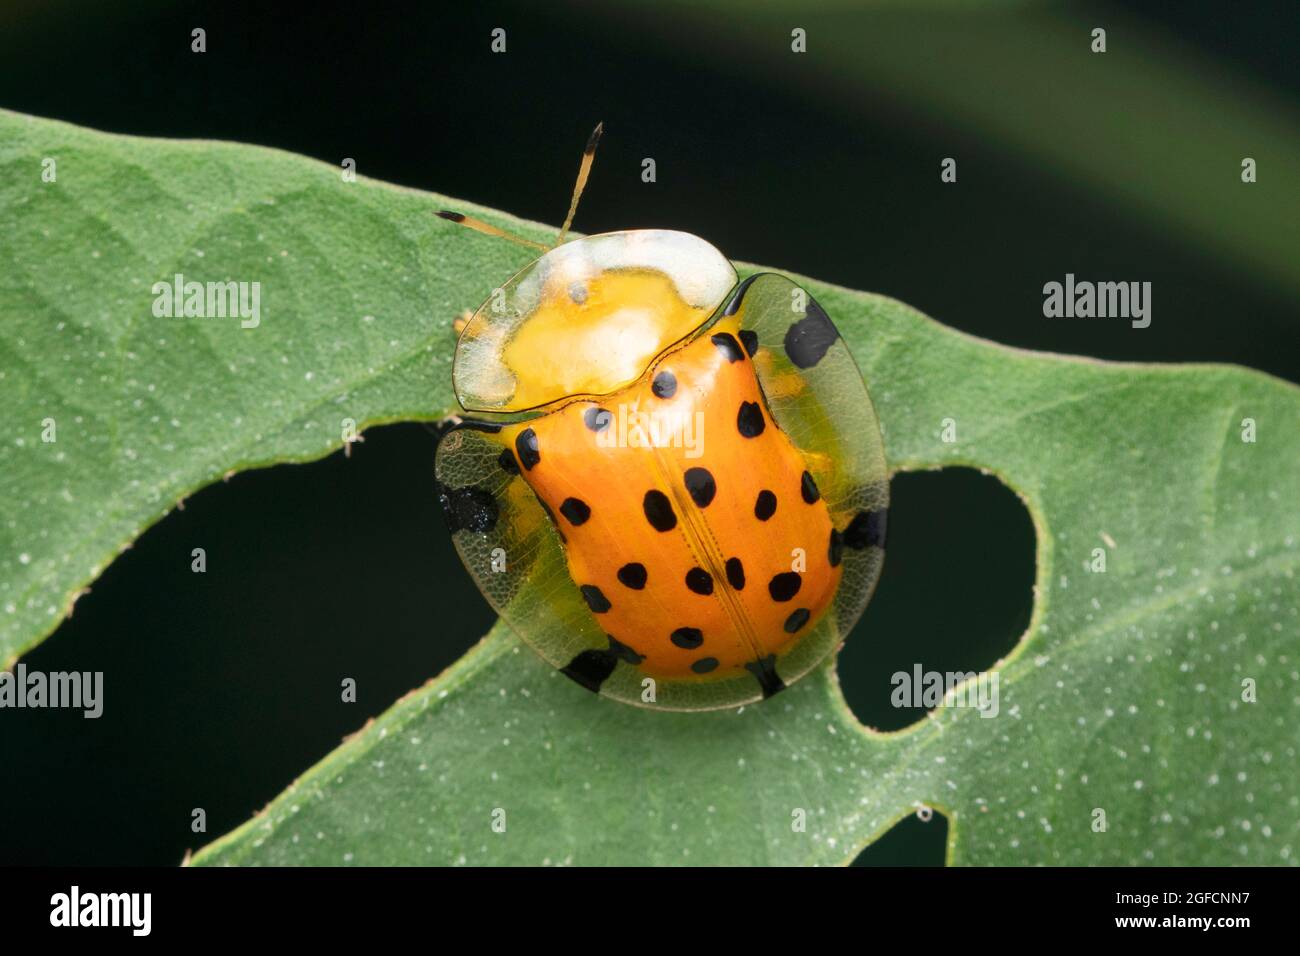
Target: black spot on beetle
point(836, 549)
point(526, 445)
point(807, 341)
point(700, 484)
point(764, 671)
point(736, 574)
point(867, 529)
point(664, 385)
point(591, 668)
point(596, 418)
point(797, 620)
point(699, 581)
point(749, 338)
point(576, 510)
point(728, 346)
point(808, 488)
point(595, 598)
point(739, 296)
point(467, 509)
point(687, 638)
point(658, 510)
point(765, 505)
point(784, 586)
point(705, 665)
point(633, 575)
point(749, 420)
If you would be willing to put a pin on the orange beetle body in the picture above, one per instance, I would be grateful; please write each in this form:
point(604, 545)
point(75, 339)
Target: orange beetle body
point(671, 484)
point(684, 508)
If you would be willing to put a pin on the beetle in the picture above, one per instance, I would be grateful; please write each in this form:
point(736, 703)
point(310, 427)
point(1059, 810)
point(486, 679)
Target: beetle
point(669, 482)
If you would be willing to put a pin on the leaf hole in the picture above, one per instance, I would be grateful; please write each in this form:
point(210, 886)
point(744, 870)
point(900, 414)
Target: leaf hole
point(911, 841)
point(955, 596)
point(221, 687)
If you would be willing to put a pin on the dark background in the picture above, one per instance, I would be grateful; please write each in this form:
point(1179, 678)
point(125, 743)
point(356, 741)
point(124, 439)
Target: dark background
point(222, 687)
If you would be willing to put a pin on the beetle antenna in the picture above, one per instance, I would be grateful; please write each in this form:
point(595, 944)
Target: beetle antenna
point(588, 157)
point(478, 225)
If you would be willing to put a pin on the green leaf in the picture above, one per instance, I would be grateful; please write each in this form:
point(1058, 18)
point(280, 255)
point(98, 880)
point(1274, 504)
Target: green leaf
point(359, 286)
point(1126, 694)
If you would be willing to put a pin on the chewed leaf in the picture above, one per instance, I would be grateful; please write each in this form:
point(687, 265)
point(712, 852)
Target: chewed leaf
point(1161, 691)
